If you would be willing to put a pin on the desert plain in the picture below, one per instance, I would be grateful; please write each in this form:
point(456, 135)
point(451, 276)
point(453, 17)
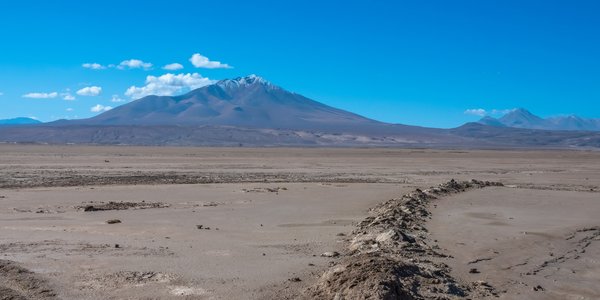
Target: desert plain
point(121, 222)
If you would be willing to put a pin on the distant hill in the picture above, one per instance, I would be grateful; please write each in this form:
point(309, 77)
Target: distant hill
point(511, 137)
point(522, 118)
point(19, 121)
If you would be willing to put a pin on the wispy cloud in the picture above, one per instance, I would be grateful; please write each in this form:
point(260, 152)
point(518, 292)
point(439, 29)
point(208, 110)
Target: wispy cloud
point(41, 95)
point(476, 112)
point(67, 96)
point(173, 67)
point(94, 66)
point(200, 61)
point(117, 99)
point(1, 94)
point(134, 64)
point(493, 112)
point(90, 91)
point(168, 85)
point(502, 111)
point(100, 108)
point(69, 109)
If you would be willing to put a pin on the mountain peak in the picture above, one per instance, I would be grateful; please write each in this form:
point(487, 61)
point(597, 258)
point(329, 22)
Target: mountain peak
point(249, 80)
point(521, 117)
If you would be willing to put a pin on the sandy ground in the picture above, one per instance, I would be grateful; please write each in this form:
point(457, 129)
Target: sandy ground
point(519, 240)
point(253, 238)
point(277, 210)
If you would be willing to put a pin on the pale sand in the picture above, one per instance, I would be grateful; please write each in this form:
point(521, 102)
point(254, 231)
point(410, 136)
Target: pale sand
point(519, 239)
point(255, 238)
point(327, 191)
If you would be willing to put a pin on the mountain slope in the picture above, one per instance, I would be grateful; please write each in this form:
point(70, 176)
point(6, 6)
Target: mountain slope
point(250, 102)
point(574, 123)
point(19, 121)
point(509, 137)
point(521, 118)
point(490, 121)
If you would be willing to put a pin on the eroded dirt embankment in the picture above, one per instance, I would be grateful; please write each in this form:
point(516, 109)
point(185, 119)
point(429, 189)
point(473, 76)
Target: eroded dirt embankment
point(18, 283)
point(389, 255)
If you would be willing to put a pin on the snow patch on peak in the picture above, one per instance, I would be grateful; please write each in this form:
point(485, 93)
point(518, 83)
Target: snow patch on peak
point(249, 80)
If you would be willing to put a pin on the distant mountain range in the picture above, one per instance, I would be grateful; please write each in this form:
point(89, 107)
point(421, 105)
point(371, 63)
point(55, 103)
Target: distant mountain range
point(19, 121)
point(250, 111)
point(522, 118)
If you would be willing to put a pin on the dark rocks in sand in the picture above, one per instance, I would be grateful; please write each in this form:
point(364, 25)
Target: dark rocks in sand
point(330, 254)
point(265, 190)
point(89, 208)
point(295, 279)
point(122, 206)
point(474, 271)
point(202, 227)
point(538, 288)
point(113, 221)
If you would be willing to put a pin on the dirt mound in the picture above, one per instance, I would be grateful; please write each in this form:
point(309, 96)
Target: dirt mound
point(121, 206)
point(390, 257)
point(368, 276)
point(18, 283)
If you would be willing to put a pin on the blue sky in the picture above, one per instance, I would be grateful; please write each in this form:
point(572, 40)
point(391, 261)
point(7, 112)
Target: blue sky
point(412, 62)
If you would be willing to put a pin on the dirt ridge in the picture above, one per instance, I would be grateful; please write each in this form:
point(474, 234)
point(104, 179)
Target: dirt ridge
point(389, 255)
point(18, 283)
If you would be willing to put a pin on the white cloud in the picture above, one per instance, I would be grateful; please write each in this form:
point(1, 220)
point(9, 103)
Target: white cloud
point(90, 91)
point(100, 108)
point(173, 67)
point(93, 66)
point(476, 112)
point(41, 95)
point(134, 64)
point(168, 85)
point(69, 109)
point(67, 96)
point(1, 94)
point(117, 99)
point(200, 61)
